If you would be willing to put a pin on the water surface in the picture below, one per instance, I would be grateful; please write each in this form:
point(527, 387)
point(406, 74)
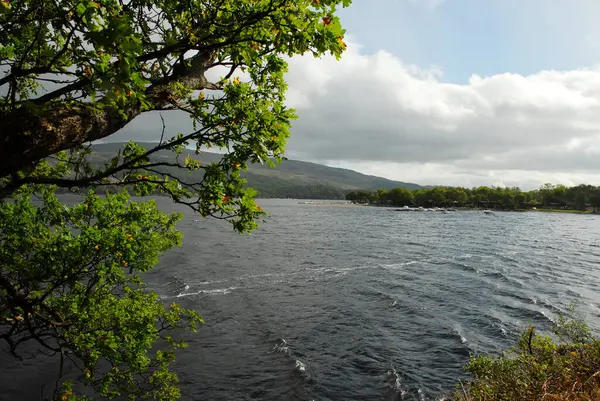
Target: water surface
point(362, 303)
point(355, 302)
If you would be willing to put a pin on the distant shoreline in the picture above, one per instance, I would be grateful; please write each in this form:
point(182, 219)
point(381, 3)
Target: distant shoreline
point(330, 203)
point(457, 209)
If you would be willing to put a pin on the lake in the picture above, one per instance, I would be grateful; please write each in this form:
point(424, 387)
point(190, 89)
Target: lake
point(366, 303)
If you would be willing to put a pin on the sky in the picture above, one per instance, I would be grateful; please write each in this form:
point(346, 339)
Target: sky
point(453, 92)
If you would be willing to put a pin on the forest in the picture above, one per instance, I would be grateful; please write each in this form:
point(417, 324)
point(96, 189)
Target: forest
point(548, 196)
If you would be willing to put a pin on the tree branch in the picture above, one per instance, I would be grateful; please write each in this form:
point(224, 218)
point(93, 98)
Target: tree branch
point(32, 135)
point(95, 179)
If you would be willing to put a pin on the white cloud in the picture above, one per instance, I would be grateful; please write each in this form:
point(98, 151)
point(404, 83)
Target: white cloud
point(377, 114)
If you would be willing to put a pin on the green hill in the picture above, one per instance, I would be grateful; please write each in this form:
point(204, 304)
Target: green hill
point(290, 179)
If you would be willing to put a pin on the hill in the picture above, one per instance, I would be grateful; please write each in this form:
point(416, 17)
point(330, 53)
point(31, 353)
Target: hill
point(290, 179)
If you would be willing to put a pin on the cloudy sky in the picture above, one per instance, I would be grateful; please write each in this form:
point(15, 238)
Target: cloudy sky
point(456, 92)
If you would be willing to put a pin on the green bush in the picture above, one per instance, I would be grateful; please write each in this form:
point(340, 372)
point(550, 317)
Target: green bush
point(565, 366)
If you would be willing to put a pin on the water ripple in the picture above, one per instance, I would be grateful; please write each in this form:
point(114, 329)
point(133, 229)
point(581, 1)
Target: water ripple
point(338, 303)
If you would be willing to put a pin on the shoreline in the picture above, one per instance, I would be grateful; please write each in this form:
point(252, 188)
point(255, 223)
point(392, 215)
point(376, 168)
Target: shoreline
point(453, 209)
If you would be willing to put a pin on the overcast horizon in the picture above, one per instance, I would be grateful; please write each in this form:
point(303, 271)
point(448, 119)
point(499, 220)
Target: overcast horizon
point(449, 92)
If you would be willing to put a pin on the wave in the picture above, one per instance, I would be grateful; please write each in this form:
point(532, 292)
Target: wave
point(216, 291)
point(394, 381)
point(463, 266)
point(548, 317)
point(300, 366)
point(283, 347)
point(395, 389)
point(412, 243)
point(462, 338)
point(497, 277)
point(401, 264)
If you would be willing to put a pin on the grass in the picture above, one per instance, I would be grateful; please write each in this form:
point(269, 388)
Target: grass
point(564, 211)
point(565, 367)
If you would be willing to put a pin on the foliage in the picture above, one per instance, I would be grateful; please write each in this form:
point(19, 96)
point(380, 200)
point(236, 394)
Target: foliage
point(539, 368)
point(90, 67)
point(399, 196)
point(71, 281)
point(77, 71)
point(508, 198)
point(362, 196)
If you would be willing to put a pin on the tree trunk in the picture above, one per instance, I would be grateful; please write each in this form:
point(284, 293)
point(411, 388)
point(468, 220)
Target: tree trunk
point(30, 135)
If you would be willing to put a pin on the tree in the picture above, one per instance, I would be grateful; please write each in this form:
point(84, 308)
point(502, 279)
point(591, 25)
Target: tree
point(481, 195)
point(546, 192)
point(352, 196)
point(520, 199)
point(560, 192)
point(362, 196)
point(595, 199)
point(382, 196)
point(76, 71)
point(423, 196)
point(457, 195)
point(438, 195)
point(580, 200)
point(401, 196)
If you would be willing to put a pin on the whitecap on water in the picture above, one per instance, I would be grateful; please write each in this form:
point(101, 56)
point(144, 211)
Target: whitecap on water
point(398, 265)
point(220, 290)
point(395, 382)
point(394, 379)
point(282, 346)
point(547, 316)
point(462, 338)
point(216, 291)
point(300, 366)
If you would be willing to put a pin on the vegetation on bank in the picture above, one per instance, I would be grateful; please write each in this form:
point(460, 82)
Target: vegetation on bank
point(575, 211)
point(565, 367)
point(555, 197)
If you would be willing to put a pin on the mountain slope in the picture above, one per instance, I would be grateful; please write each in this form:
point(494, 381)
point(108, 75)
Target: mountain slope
point(290, 179)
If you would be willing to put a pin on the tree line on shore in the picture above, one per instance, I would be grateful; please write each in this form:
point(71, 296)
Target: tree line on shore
point(580, 197)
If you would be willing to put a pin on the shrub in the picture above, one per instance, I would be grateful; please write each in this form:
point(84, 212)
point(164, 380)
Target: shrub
point(563, 367)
